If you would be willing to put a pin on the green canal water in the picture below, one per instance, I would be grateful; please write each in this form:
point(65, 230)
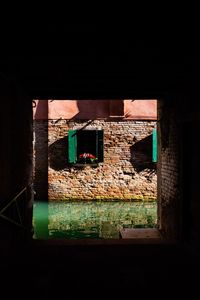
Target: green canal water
point(96, 219)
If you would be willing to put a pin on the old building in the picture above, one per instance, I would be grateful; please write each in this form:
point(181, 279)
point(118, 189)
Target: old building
point(118, 136)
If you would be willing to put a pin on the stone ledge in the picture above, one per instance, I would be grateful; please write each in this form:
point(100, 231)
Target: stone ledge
point(140, 233)
point(85, 165)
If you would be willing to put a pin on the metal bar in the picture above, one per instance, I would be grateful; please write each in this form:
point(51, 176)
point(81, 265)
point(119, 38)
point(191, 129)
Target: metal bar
point(14, 199)
point(11, 221)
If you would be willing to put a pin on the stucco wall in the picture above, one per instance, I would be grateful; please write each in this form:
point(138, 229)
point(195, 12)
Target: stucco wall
point(95, 109)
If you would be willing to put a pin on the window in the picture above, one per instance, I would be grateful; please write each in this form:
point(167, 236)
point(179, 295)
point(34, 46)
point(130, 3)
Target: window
point(85, 146)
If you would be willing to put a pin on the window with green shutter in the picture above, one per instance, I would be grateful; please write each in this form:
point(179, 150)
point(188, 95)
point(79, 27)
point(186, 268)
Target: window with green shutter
point(72, 146)
point(85, 146)
point(154, 145)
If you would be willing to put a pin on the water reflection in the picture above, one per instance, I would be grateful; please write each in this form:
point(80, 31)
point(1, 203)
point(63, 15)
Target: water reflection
point(99, 220)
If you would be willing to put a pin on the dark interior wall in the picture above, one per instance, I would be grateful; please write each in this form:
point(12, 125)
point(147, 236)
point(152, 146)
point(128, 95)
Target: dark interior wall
point(5, 95)
point(178, 168)
point(191, 198)
point(169, 185)
point(190, 162)
point(15, 158)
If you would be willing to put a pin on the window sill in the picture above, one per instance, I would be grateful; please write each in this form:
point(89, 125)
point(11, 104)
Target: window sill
point(85, 165)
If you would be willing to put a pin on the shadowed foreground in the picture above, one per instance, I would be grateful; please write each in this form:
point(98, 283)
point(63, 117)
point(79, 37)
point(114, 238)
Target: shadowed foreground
point(92, 271)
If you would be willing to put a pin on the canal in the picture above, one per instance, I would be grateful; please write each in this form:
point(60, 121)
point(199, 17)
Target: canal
point(90, 220)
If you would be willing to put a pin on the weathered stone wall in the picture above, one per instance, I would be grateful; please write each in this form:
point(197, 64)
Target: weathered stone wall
point(126, 173)
point(40, 159)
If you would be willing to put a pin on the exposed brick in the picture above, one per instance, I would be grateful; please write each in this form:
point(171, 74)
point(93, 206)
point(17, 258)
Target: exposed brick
point(169, 167)
point(127, 171)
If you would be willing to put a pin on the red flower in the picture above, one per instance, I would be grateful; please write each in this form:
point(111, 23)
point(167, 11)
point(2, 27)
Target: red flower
point(85, 155)
point(91, 155)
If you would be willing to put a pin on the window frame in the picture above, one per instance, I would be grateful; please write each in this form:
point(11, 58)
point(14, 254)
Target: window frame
point(73, 147)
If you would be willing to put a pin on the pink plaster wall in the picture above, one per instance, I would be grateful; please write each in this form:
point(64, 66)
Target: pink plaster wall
point(78, 109)
point(140, 109)
point(95, 109)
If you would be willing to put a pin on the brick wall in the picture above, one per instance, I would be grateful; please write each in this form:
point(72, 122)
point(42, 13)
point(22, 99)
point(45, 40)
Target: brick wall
point(169, 192)
point(126, 173)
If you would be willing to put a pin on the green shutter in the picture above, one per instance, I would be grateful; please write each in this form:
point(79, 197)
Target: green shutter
point(154, 145)
point(100, 145)
point(72, 146)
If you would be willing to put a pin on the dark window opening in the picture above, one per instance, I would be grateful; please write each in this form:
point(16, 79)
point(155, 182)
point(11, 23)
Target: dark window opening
point(85, 146)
